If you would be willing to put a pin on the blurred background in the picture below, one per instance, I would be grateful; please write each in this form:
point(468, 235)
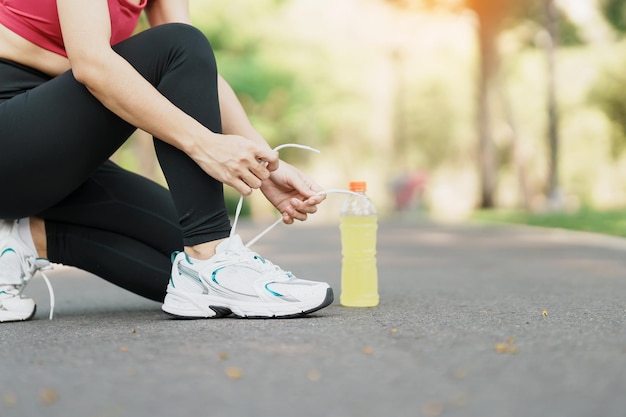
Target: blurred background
point(509, 110)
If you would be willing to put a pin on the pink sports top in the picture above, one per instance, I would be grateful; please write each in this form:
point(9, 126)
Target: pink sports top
point(38, 21)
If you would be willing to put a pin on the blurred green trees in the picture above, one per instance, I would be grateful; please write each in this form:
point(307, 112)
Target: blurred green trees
point(615, 13)
point(609, 92)
point(386, 88)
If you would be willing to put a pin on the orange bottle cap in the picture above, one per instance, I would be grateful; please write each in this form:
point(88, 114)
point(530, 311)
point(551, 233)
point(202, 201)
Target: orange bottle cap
point(358, 186)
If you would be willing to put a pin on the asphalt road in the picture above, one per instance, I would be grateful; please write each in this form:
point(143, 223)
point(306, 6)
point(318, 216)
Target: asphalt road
point(473, 321)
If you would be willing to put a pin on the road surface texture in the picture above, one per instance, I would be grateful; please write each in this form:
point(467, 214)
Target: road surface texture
point(474, 320)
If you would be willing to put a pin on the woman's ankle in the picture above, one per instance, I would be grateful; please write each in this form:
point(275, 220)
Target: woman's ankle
point(38, 233)
point(204, 250)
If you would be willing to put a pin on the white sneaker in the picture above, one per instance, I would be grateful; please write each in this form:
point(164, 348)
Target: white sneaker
point(18, 264)
point(239, 281)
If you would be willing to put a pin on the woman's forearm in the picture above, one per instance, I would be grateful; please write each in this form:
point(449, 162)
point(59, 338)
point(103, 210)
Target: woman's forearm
point(115, 83)
point(234, 118)
point(120, 88)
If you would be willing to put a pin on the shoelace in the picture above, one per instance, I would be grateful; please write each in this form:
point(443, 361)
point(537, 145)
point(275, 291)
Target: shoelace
point(240, 202)
point(41, 268)
point(33, 267)
point(246, 255)
point(265, 231)
point(30, 265)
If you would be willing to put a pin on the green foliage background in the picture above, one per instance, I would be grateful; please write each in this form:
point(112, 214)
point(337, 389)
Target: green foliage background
point(386, 88)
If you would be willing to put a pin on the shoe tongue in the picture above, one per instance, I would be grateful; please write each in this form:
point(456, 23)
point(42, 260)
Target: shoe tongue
point(233, 243)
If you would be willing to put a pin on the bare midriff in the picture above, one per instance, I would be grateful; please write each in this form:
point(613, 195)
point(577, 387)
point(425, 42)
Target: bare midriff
point(17, 49)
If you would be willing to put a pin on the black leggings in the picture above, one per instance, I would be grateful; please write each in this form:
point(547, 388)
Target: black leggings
point(55, 144)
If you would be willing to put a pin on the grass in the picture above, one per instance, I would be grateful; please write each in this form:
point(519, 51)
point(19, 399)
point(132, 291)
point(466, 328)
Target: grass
point(611, 222)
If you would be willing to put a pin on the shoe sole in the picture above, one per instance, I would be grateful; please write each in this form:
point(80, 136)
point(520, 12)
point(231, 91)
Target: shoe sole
point(6, 317)
point(224, 311)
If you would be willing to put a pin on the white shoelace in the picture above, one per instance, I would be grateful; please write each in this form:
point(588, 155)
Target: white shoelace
point(240, 202)
point(268, 264)
point(50, 290)
point(30, 266)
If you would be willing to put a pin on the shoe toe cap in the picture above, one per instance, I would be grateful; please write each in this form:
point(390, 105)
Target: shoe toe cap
point(301, 290)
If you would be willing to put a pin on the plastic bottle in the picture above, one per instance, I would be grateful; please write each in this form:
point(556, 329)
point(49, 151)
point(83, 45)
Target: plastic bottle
point(359, 273)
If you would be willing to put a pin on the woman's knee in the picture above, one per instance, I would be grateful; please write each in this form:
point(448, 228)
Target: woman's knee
point(162, 48)
point(183, 38)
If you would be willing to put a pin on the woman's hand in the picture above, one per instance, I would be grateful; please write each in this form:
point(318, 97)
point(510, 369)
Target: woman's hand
point(292, 192)
point(235, 161)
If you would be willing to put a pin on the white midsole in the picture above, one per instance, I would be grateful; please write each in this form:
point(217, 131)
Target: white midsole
point(14, 316)
point(186, 304)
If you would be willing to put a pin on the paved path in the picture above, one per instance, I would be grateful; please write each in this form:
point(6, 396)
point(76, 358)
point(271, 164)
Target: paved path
point(460, 331)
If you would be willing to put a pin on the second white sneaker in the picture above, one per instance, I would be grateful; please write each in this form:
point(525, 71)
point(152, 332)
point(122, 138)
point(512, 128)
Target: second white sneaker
point(18, 264)
point(239, 281)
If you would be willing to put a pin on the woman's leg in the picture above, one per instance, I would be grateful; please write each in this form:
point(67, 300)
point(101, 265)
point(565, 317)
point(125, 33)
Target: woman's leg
point(54, 136)
point(119, 226)
point(189, 80)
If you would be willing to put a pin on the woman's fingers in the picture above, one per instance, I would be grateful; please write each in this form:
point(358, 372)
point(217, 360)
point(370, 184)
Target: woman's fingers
point(248, 168)
point(268, 158)
point(299, 210)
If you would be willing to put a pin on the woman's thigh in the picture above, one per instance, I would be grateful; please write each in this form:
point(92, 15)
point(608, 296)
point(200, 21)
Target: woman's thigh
point(52, 138)
point(124, 203)
point(117, 225)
